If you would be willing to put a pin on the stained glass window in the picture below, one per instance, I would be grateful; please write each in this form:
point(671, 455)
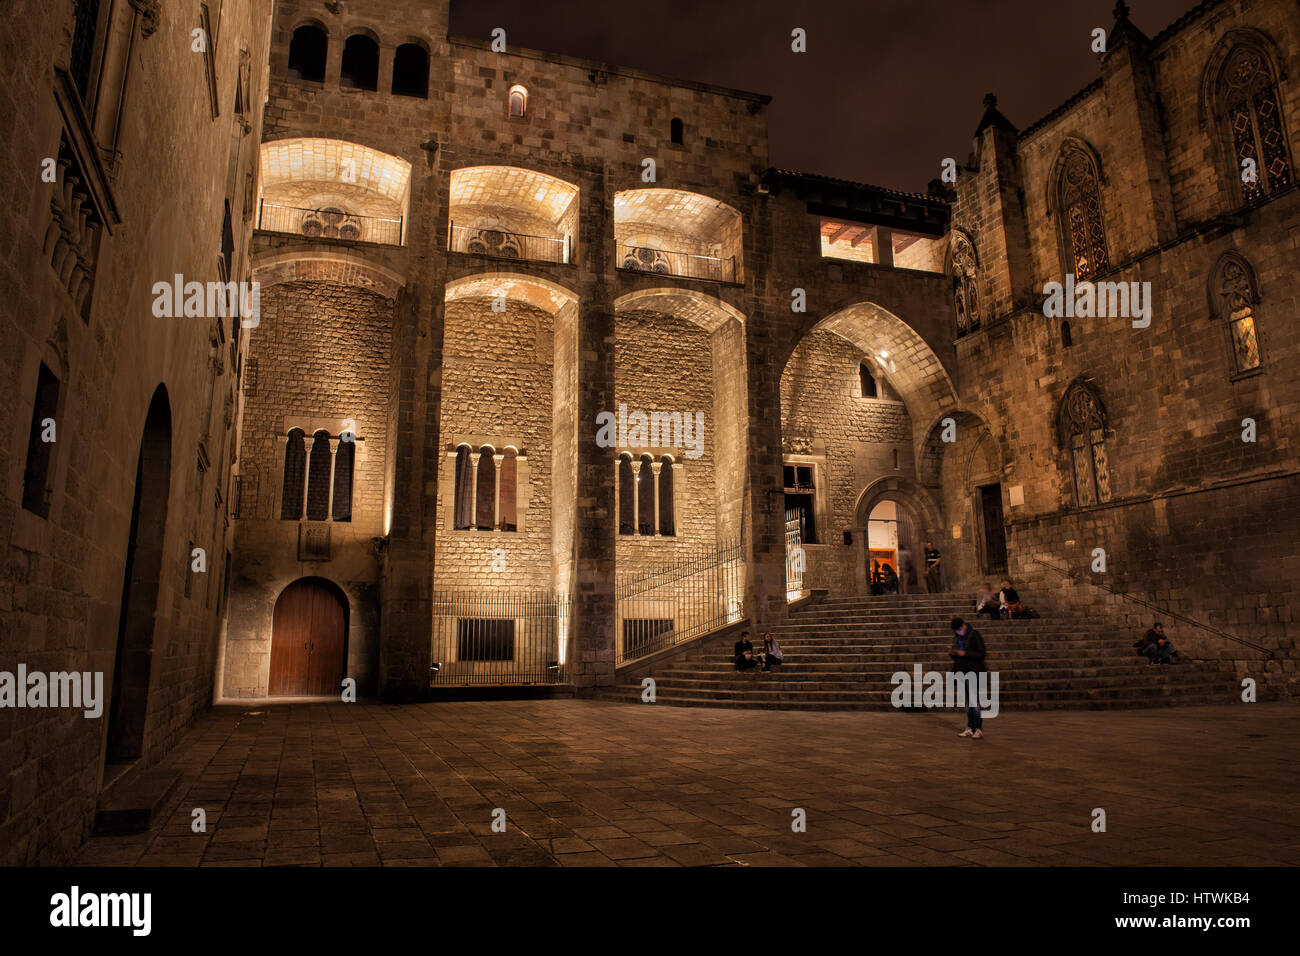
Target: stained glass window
point(1084, 234)
point(1255, 122)
point(964, 295)
point(1083, 427)
point(1236, 298)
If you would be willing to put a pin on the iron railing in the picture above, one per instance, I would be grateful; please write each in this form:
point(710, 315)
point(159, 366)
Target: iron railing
point(500, 244)
point(796, 560)
point(498, 637)
point(686, 264)
point(678, 602)
point(1155, 607)
point(329, 222)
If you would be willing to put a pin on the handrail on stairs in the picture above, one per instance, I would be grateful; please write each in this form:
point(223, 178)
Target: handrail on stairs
point(1268, 654)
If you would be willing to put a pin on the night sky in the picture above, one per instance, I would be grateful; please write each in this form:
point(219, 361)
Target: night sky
point(887, 88)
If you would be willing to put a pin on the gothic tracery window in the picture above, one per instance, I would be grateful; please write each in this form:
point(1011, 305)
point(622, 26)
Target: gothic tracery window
point(1083, 431)
point(1235, 299)
point(964, 295)
point(1251, 109)
point(1083, 232)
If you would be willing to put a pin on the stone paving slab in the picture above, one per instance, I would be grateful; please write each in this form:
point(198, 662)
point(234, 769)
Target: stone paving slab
point(599, 783)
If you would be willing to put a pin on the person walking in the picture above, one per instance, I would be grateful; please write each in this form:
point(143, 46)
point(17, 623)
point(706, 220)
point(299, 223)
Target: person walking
point(968, 657)
point(933, 568)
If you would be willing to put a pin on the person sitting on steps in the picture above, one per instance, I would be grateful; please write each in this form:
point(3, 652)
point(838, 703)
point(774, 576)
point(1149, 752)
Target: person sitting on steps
point(1156, 646)
point(986, 602)
point(772, 654)
point(1009, 605)
point(744, 653)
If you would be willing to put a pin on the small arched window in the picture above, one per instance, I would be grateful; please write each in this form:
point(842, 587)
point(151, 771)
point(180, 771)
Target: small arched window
point(295, 473)
point(411, 71)
point(344, 462)
point(645, 496)
point(1078, 204)
point(867, 382)
point(319, 463)
point(667, 525)
point(1067, 337)
point(485, 489)
point(1083, 433)
point(360, 66)
point(677, 130)
point(626, 495)
point(463, 517)
point(964, 295)
point(518, 101)
point(508, 519)
point(1234, 299)
point(1252, 111)
point(307, 51)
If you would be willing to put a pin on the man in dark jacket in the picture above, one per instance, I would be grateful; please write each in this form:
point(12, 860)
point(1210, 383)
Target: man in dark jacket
point(968, 657)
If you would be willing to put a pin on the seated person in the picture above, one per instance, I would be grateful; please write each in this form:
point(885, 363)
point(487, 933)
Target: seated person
point(890, 579)
point(744, 653)
point(986, 602)
point(1156, 646)
point(877, 580)
point(772, 654)
point(1009, 602)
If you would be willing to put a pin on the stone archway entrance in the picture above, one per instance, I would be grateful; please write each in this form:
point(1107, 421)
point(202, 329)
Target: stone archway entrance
point(308, 640)
point(891, 541)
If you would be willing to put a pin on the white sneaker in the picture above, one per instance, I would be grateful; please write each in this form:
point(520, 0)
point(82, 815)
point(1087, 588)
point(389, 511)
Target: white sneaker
point(966, 733)
point(978, 735)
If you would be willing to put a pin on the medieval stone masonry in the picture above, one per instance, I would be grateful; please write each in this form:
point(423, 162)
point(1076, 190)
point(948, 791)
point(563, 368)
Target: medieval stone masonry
point(386, 471)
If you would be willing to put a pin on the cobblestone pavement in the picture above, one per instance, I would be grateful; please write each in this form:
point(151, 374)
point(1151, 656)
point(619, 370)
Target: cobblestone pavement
point(600, 783)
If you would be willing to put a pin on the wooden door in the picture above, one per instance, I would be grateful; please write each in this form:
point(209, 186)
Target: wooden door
point(995, 534)
point(308, 641)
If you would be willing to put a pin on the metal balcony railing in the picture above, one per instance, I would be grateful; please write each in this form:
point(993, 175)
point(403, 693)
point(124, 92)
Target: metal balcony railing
point(507, 245)
point(685, 264)
point(498, 637)
point(329, 222)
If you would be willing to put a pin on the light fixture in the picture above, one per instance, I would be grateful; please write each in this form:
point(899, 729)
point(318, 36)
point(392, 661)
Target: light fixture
point(884, 354)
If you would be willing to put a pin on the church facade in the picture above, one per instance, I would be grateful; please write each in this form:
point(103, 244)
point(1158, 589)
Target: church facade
point(545, 363)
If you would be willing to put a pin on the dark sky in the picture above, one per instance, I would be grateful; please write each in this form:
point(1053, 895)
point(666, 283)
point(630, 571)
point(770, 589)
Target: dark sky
point(887, 88)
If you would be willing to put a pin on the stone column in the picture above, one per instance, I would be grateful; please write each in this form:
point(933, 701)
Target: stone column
point(655, 467)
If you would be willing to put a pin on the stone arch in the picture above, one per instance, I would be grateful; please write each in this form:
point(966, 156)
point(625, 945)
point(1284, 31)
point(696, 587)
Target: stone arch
point(930, 460)
point(314, 264)
point(550, 297)
point(708, 312)
point(678, 232)
point(512, 212)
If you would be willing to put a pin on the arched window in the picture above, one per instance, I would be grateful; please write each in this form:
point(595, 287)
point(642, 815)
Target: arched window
point(1083, 433)
point(1250, 106)
point(307, 51)
point(645, 497)
point(344, 461)
point(626, 495)
point(509, 520)
point(485, 490)
point(360, 67)
point(518, 101)
point(411, 71)
point(667, 526)
point(295, 473)
point(318, 477)
point(1234, 299)
point(964, 296)
point(867, 382)
point(1078, 204)
point(1067, 337)
point(463, 517)
point(677, 130)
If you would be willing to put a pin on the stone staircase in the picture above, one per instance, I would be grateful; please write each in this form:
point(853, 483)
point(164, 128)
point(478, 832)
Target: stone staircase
point(841, 654)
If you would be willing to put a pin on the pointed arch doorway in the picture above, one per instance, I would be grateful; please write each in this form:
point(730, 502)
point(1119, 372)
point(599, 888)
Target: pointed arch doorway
point(308, 640)
point(892, 540)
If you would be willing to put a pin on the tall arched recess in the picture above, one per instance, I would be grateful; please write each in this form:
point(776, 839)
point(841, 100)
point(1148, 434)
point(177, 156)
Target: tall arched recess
point(132, 668)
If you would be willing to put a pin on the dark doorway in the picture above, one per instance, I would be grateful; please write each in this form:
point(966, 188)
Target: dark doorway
point(129, 704)
point(308, 640)
point(995, 533)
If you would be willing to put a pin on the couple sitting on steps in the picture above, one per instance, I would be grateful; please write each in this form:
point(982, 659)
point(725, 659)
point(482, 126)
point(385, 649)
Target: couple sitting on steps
point(771, 655)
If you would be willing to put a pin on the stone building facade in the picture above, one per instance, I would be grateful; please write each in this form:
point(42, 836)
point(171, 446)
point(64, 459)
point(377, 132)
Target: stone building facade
point(470, 258)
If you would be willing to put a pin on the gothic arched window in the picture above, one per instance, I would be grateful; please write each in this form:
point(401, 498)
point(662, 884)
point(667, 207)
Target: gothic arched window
point(295, 473)
point(964, 296)
point(1251, 108)
point(666, 524)
point(318, 477)
point(1234, 299)
point(1083, 433)
point(1078, 203)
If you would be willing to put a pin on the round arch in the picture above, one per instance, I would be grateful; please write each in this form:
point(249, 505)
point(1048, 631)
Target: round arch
point(311, 263)
point(309, 639)
point(708, 312)
point(550, 297)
